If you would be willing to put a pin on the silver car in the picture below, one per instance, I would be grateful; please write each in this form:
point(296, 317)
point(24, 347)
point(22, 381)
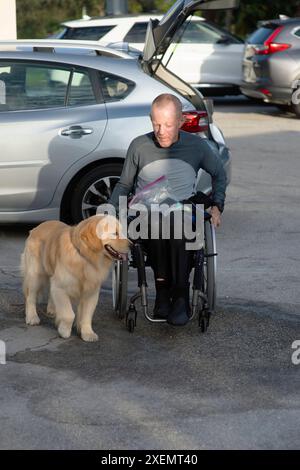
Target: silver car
point(68, 113)
point(271, 65)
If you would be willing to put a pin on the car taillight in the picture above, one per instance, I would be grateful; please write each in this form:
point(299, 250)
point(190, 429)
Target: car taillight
point(265, 91)
point(195, 121)
point(269, 46)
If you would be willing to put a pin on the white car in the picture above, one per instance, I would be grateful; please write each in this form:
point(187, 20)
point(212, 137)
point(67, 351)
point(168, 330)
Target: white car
point(201, 53)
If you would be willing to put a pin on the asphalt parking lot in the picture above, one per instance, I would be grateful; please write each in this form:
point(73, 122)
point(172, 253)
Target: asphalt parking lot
point(174, 388)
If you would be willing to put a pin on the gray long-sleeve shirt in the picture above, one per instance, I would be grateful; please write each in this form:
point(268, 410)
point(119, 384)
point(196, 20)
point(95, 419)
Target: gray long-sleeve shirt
point(146, 161)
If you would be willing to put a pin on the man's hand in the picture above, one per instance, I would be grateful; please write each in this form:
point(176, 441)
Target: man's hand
point(215, 216)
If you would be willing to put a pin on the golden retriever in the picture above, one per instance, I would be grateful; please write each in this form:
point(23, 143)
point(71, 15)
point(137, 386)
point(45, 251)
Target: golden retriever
point(73, 262)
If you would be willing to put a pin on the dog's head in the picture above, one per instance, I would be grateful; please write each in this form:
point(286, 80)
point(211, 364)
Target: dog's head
point(104, 233)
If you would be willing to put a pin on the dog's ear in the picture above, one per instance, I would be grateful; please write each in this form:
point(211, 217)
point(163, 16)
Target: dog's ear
point(89, 235)
point(108, 228)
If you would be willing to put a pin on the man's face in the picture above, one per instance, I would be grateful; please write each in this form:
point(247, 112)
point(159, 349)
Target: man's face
point(166, 124)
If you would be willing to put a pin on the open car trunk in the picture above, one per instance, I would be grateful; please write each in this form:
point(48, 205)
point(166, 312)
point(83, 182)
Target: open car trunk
point(160, 35)
point(161, 73)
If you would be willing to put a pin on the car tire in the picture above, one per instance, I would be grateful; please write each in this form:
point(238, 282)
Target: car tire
point(295, 108)
point(93, 189)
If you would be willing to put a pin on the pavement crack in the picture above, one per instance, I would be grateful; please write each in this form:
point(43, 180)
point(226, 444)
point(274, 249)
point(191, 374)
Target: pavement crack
point(32, 349)
point(11, 274)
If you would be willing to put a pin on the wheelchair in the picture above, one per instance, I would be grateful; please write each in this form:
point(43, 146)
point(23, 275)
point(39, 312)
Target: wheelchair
point(204, 268)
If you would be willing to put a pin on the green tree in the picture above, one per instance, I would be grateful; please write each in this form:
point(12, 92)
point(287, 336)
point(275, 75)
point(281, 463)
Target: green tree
point(252, 11)
point(242, 21)
point(39, 18)
point(146, 6)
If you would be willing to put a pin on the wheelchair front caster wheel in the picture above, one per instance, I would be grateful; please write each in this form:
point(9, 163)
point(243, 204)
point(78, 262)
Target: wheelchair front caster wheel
point(204, 321)
point(130, 325)
point(131, 318)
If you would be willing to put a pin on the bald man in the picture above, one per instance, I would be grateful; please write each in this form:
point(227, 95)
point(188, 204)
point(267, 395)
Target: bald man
point(179, 155)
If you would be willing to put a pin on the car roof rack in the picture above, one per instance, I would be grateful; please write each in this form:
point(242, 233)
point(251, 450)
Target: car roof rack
point(60, 45)
point(278, 21)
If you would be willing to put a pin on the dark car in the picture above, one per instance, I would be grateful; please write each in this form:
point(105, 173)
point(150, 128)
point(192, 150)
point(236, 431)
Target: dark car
point(271, 65)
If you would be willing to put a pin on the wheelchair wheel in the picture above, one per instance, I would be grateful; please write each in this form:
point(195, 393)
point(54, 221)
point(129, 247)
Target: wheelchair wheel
point(119, 287)
point(210, 265)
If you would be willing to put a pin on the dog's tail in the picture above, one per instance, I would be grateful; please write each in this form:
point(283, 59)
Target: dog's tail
point(22, 269)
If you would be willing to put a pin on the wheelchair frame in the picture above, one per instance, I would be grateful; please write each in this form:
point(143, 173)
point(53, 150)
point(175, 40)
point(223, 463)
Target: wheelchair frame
point(204, 283)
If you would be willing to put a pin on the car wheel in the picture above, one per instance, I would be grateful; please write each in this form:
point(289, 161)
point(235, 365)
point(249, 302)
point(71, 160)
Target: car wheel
point(93, 189)
point(295, 105)
point(295, 108)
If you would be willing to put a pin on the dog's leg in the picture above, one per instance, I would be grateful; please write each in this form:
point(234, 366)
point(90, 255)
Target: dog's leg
point(86, 309)
point(50, 307)
point(32, 284)
point(63, 310)
point(30, 292)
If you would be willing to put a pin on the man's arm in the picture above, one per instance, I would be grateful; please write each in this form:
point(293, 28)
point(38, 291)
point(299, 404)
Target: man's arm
point(213, 165)
point(127, 178)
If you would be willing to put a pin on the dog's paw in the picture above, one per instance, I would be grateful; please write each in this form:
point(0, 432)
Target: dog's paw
point(89, 336)
point(64, 330)
point(33, 320)
point(50, 314)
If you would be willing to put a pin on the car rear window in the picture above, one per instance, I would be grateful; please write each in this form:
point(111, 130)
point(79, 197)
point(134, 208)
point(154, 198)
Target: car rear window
point(297, 33)
point(261, 35)
point(115, 88)
point(89, 33)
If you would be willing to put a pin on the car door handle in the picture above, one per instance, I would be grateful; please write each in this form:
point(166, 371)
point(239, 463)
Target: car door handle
point(76, 131)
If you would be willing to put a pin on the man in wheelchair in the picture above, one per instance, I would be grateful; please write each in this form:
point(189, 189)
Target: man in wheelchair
point(179, 155)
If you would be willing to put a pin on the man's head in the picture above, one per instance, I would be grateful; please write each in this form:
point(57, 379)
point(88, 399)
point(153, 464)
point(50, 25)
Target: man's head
point(166, 117)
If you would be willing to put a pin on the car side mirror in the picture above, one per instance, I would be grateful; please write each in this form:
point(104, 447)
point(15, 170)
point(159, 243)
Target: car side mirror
point(224, 40)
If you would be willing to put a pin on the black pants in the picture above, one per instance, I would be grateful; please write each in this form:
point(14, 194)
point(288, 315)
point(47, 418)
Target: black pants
point(169, 258)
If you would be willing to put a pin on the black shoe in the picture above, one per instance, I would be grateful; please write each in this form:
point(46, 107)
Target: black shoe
point(162, 303)
point(180, 310)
